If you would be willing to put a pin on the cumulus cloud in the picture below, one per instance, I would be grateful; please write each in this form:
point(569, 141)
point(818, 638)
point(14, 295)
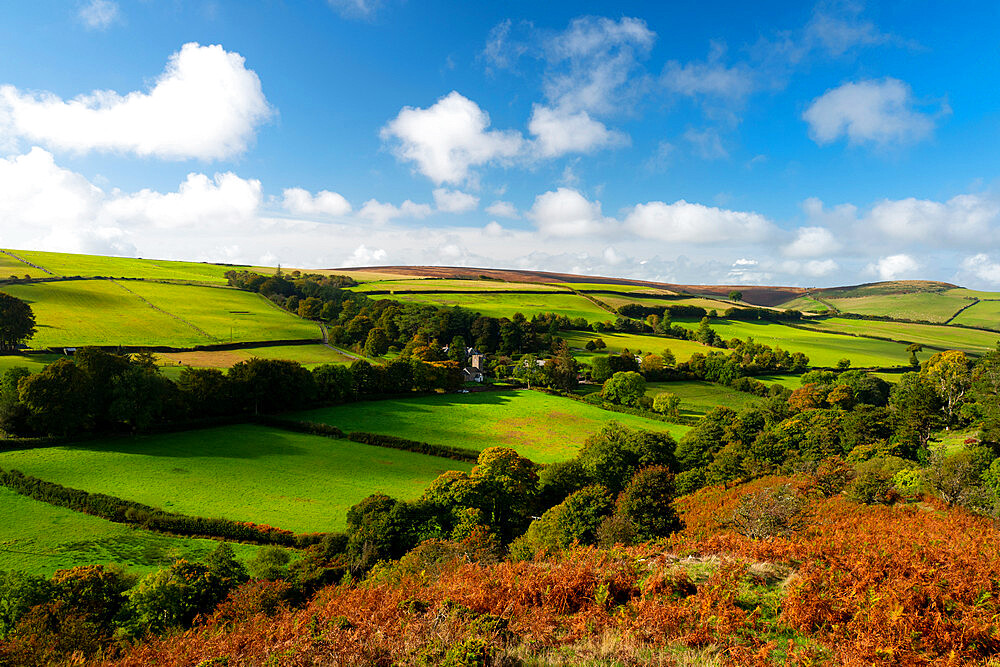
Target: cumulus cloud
point(962, 219)
point(450, 137)
point(299, 201)
point(894, 267)
point(839, 216)
point(364, 256)
point(683, 222)
point(503, 209)
point(559, 131)
point(982, 267)
point(711, 79)
point(880, 112)
point(811, 242)
point(99, 14)
point(454, 201)
point(381, 213)
point(205, 105)
point(566, 212)
point(707, 143)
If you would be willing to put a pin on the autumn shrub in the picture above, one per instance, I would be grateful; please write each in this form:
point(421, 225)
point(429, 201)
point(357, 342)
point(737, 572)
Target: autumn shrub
point(771, 512)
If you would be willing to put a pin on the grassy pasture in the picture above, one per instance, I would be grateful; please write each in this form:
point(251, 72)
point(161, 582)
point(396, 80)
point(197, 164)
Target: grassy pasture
point(541, 427)
point(365, 276)
point(973, 294)
point(101, 312)
point(300, 482)
point(33, 362)
point(12, 267)
point(930, 306)
point(505, 305)
point(434, 285)
point(698, 397)
point(617, 301)
point(307, 355)
point(610, 287)
point(616, 342)
point(823, 349)
point(66, 264)
point(982, 314)
point(221, 312)
point(40, 538)
point(973, 341)
point(805, 304)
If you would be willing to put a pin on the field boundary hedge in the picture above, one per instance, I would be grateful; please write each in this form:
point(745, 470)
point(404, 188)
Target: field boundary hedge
point(373, 439)
point(119, 510)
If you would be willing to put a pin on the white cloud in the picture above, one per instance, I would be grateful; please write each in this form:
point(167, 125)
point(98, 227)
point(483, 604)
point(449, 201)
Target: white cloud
point(99, 14)
point(840, 216)
point(895, 267)
point(811, 242)
point(450, 137)
point(878, 112)
point(964, 219)
point(454, 201)
point(363, 256)
point(982, 267)
point(205, 105)
point(682, 222)
point(299, 201)
point(355, 9)
point(381, 213)
point(709, 79)
point(558, 131)
point(566, 212)
point(503, 209)
point(707, 143)
point(814, 268)
point(493, 228)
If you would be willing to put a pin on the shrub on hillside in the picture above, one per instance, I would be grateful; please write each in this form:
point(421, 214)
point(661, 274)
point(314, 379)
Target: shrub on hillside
point(771, 512)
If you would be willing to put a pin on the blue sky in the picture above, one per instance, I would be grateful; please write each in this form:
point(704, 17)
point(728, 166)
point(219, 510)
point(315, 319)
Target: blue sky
point(717, 142)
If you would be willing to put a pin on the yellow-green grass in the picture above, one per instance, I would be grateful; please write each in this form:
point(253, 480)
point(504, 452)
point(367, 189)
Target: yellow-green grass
point(39, 538)
point(309, 356)
point(973, 341)
point(33, 362)
point(10, 267)
point(226, 314)
point(611, 287)
point(929, 306)
point(366, 275)
point(538, 426)
point(463, 285)
point(973, 294)
point(616, 342)
point(805, 304)
point(66, 264)
point(103, 312)
point(791, 381)
point(823, 349)
point(698, 397)
point(505, 305)
point(983, 314)
point(303, 483)
point(618, 300)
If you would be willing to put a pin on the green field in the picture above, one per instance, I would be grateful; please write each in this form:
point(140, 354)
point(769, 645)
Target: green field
point(617, 301)
point(505, 305)
point(929, 306)
point(974, 294)
point(12, 267)
point(40, 538)
point(33, 362)
point(310, 356)
point(616, 342)
point(610, 287)
point(65, 264)
point(805, 304)
point(102, 312)
point(540, 427)
point(973, 341)
point(982, 314)
point(698, 397)
point(299, 482)
point(434, 285)
point(823, 349)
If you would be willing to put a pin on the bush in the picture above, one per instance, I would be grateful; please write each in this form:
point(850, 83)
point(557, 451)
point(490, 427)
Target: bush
point(772, 512)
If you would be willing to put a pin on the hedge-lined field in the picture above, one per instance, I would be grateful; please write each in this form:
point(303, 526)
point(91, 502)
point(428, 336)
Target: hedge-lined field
point(974, 341)
point(307, 355)
point(823, 349)
point(540, 427)
point(66, 264)
point(617, 301)
point(929, 306)
point(10, 267)
point(102, 312)
point(616, 342)
point(434, 285)
point(698, 397)
point(505, 305)
point(39, 538)
point(33, 362)
point(982, 314)
point(298, 482)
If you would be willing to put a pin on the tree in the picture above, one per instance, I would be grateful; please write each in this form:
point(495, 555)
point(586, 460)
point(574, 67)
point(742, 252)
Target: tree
point(950, 374)
point(377, 343)
point(600, 368)
point(736, 295)
point(844, 364)
point(57, 399)
point(17, 322)
point(667, 404)
point(310, 308)
point(624, 388)
point(576, 519)
point(645, 505)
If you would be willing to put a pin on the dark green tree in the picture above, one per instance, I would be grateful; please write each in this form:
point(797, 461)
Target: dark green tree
point(17, 322)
